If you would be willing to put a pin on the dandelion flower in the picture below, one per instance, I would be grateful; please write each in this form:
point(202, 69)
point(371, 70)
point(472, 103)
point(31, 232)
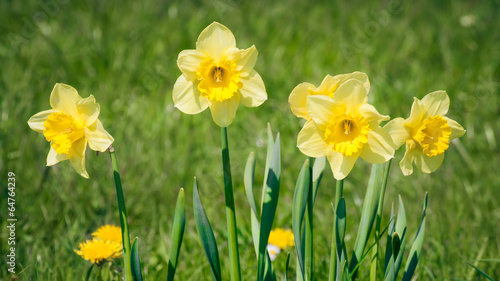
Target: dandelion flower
point(279, 239)
point(344, 128)
point(97, 251)
point(427, 133)
point(218, 75)
point(69, 126)
point(298, 97)
point(109, 233)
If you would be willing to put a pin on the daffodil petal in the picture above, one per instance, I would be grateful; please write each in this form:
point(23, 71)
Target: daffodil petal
point(298, 99)
point(418, 113)
point(245, 59)
point(215, 39)
point(428, 164)
point(223, 112)
point(310, 142)
point(77, 157)
point(352, 93)
point(360, 76)
point(372, 116)
point(406, 164)
point(64, 98)
point(187, 97)
point(37, 121)
point(341, 165)
point(437, 103)
point(253, 93)
point(397, 131)
point(320, 109)
point(88, 110)
point(53, 157)
point(379, 148)
point(99, 139)
point(456, 129)
point(189, 62)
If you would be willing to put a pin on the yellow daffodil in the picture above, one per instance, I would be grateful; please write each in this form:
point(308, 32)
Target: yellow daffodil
point(427, 133)
point(298, 97)
point(109, 233)
point(97, 251)
point(218, 75)
point(69, 126)
point(344, 128)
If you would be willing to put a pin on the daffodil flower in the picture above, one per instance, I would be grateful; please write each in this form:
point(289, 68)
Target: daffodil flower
point(344, 128)
point(69, 126)
point(427, 133)
point(218, 75)
point(298, 97)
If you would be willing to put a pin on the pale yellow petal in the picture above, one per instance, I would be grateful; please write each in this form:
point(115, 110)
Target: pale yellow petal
point(64, 98)
point(341, 165)
point(417, 115)
point(310, 142)
point(352, 93)
point(379, 148)
point(189, 62)
point(328, 86)
point(77, 157)
point(398, 132)
point(320, 109)
point(406, 164)
point(253, 93)
point(437, 103)
point(456, 129)
point(187, 97)
point(428, 164)
point(298, 99)
point(54, 158)
point(99, 139)
point(372, 116)
point(215, 39)
point(88, 110)
point(360, 76)
point(37, 121)
point(224, 112)
point(245, 59)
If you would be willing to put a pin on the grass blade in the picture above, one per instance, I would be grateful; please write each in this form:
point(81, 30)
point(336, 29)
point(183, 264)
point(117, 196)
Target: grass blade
point(481, 272)
point(286, 266)
point(135, 261)
point(206, 234)
point(177, 234)
point(299, 208)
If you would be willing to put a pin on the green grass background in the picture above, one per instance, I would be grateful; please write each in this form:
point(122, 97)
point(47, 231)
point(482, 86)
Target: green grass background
point(124, 53)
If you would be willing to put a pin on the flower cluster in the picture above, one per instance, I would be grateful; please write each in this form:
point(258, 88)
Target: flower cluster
point(279, 239)
point(106, 244)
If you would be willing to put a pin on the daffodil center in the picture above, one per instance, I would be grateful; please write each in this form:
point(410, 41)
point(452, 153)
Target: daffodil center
point(433, 135)
point(62, 130)
point(347, 134)
point(219, 81)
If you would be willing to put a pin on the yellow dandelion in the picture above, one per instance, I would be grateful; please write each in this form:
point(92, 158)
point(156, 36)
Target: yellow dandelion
point(427, 133)
point(97, 251)
point(108, 233)
point(282, 238)
point(69, 126)
point(218, 75)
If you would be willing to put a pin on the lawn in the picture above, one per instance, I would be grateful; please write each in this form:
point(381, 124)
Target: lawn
point(125, 52)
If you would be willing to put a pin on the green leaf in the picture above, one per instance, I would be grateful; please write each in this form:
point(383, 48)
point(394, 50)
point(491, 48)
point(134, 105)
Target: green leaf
point(416, 248)
point(269, 205)
point(401, 230)
point(481, 272)
point(318, 169)
point(370, 206)
point(269, 158)
point(340, 223)
point(206, 234)
point(135, 261)
point(299, 208)
point(287, 264)
point(177, 234)
point(248, 181)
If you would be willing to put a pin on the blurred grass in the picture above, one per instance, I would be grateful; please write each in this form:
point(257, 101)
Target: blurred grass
point(124, 53)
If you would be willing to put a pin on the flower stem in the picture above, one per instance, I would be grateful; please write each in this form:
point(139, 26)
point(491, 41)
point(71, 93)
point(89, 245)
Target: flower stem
point(339, 191)
point(123, 216)
point(234, 259)
point(309, 261)
point(375, 250)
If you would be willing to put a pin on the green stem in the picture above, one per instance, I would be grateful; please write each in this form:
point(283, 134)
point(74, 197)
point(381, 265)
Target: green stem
point(375, 250)
point(309, 261)
point(123, 217)
point(339, 191)
point(234, 259)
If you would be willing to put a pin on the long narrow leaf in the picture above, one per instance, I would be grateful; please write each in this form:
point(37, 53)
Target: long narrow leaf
point(206, 234)
point(269, 158)
point(401, 230)
point(135, 261)
point(286, 266)
point(177, 234)
point(299, 208)
point(318, 169)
